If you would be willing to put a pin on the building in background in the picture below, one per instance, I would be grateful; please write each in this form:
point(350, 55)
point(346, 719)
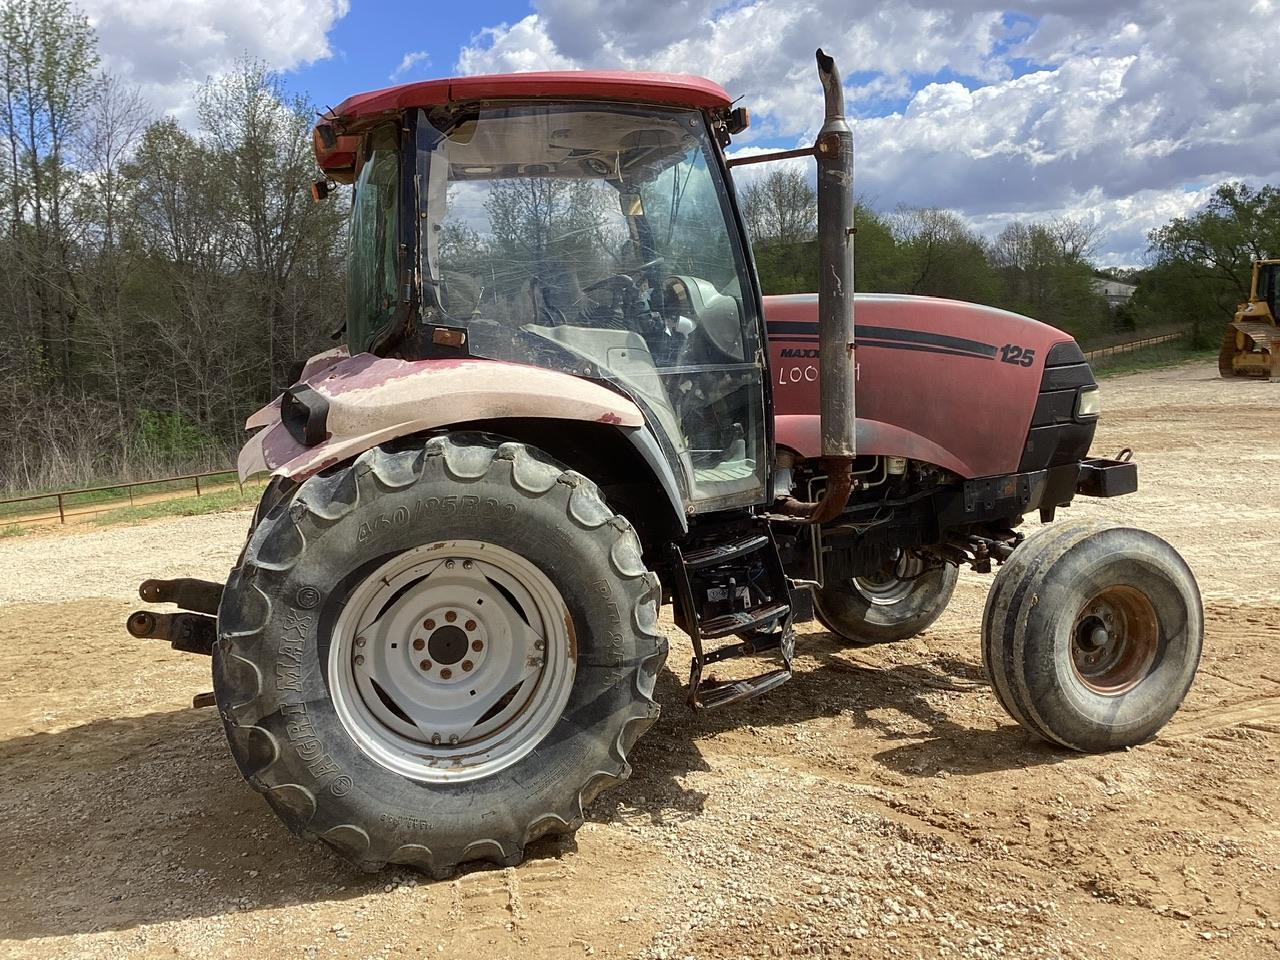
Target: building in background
point(1117, 294)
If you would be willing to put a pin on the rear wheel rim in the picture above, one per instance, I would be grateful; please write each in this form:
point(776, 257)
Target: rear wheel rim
point(452, 661)
point(1114, 640)
point(893, 583)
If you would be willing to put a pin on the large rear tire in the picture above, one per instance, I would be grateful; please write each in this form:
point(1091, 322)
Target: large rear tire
point(438, 654)
point(1092, 634)
point(904, 599)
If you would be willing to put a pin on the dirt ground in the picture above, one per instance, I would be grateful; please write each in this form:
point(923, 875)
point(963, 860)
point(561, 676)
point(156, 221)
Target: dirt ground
point(879, 805)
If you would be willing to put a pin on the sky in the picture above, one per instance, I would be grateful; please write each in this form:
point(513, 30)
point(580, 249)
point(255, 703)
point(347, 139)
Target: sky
point(1123, 113)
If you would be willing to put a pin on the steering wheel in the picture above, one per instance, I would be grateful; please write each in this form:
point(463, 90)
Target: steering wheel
point(623, 282)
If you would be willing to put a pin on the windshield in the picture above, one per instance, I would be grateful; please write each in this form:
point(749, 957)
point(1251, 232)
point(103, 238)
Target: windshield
point(596, 239)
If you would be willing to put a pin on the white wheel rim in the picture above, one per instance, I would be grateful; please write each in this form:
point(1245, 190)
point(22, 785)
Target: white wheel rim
point(893, 584)
point(452, 660)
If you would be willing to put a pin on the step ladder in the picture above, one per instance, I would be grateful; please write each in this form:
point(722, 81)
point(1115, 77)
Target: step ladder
point(735, 587)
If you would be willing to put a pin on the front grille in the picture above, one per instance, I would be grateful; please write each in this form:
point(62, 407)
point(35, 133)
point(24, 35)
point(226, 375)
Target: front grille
point(1056, 437)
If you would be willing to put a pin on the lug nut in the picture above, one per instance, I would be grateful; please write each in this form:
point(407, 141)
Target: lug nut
point(435, 738)
point(429, 623)
point(448, 564)
point(451, 616)
point(477, 646)
point(466, 666)
point(359, 660)
point(453, 738)
point(425, 665)
point(538, 644)
point(446, 673)
point(360, 641)
point(470, 625)
point(419, 643)
point(466, 564)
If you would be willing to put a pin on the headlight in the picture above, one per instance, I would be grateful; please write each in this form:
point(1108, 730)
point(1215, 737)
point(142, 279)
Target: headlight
point(1088, 403)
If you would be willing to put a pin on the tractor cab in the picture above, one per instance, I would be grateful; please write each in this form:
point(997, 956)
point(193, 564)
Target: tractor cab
point(593, 236)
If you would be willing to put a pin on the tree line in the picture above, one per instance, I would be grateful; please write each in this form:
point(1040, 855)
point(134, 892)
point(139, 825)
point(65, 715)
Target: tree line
point(1199, 268)
point(158, 283)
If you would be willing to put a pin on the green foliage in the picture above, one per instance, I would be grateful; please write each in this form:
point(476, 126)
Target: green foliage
point(219, 501)
point(169, 437)
point(1203, 262)
point(875, 251)
point(1038, 269)
point(787, 267)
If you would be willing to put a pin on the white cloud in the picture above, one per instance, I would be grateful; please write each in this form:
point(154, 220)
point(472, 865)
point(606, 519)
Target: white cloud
point(167, 49)
point(1131, 103)
point(511, 48)
point(415, 58)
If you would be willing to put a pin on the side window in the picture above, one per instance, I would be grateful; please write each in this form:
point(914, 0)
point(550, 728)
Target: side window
point(373, 238)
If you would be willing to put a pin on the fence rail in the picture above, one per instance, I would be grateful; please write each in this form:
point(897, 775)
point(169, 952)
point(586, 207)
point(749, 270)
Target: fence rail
point(1132, 345)
point(12, 513)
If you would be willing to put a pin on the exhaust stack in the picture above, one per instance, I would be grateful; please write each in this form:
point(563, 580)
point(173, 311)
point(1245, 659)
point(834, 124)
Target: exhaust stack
point(834, 153)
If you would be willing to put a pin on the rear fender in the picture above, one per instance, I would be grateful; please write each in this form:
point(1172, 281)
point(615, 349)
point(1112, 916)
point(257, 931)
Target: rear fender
point(355, 403)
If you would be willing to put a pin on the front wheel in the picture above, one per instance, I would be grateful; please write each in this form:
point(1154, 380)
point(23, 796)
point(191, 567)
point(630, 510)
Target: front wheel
point(438, 654)
point(895, 603)
point(1091, 634)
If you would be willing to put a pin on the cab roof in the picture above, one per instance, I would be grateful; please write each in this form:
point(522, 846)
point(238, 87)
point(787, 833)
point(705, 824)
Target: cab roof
point(673, 89)
point(666, 89)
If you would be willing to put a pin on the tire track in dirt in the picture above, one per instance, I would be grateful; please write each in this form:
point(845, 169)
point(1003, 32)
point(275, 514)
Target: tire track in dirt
point(1262, 715)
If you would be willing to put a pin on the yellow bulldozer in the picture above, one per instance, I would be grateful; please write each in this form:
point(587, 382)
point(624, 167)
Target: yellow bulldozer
point(1251, 345)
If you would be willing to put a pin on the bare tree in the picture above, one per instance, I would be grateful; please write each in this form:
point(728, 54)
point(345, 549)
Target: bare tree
point(781, 207)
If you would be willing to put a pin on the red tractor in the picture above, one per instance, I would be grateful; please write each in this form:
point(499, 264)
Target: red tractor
point(564, 403)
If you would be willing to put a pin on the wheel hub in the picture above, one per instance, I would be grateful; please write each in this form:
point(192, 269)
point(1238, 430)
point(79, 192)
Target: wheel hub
point(1114, 640)
point(448, 645)
point(452, 660)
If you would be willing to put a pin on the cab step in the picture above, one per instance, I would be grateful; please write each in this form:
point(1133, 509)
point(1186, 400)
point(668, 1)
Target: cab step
point(744, 620)
point(734, 586)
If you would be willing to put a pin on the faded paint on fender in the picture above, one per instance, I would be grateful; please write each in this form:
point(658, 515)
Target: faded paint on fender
point(374, 399)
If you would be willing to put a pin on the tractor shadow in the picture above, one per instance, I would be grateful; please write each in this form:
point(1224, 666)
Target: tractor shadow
point(912, 719)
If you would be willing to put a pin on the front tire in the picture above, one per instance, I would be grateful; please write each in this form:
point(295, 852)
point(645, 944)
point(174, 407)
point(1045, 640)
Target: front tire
point(438, 654)
point(1092, 634)
point(901, 601)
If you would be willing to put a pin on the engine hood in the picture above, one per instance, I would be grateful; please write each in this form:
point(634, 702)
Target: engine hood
point(950, 383)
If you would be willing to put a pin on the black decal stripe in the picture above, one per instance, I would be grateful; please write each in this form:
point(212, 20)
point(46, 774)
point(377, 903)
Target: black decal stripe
point(920, 348)
point(925, 336)
point(884, 335)
point(888, 345)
